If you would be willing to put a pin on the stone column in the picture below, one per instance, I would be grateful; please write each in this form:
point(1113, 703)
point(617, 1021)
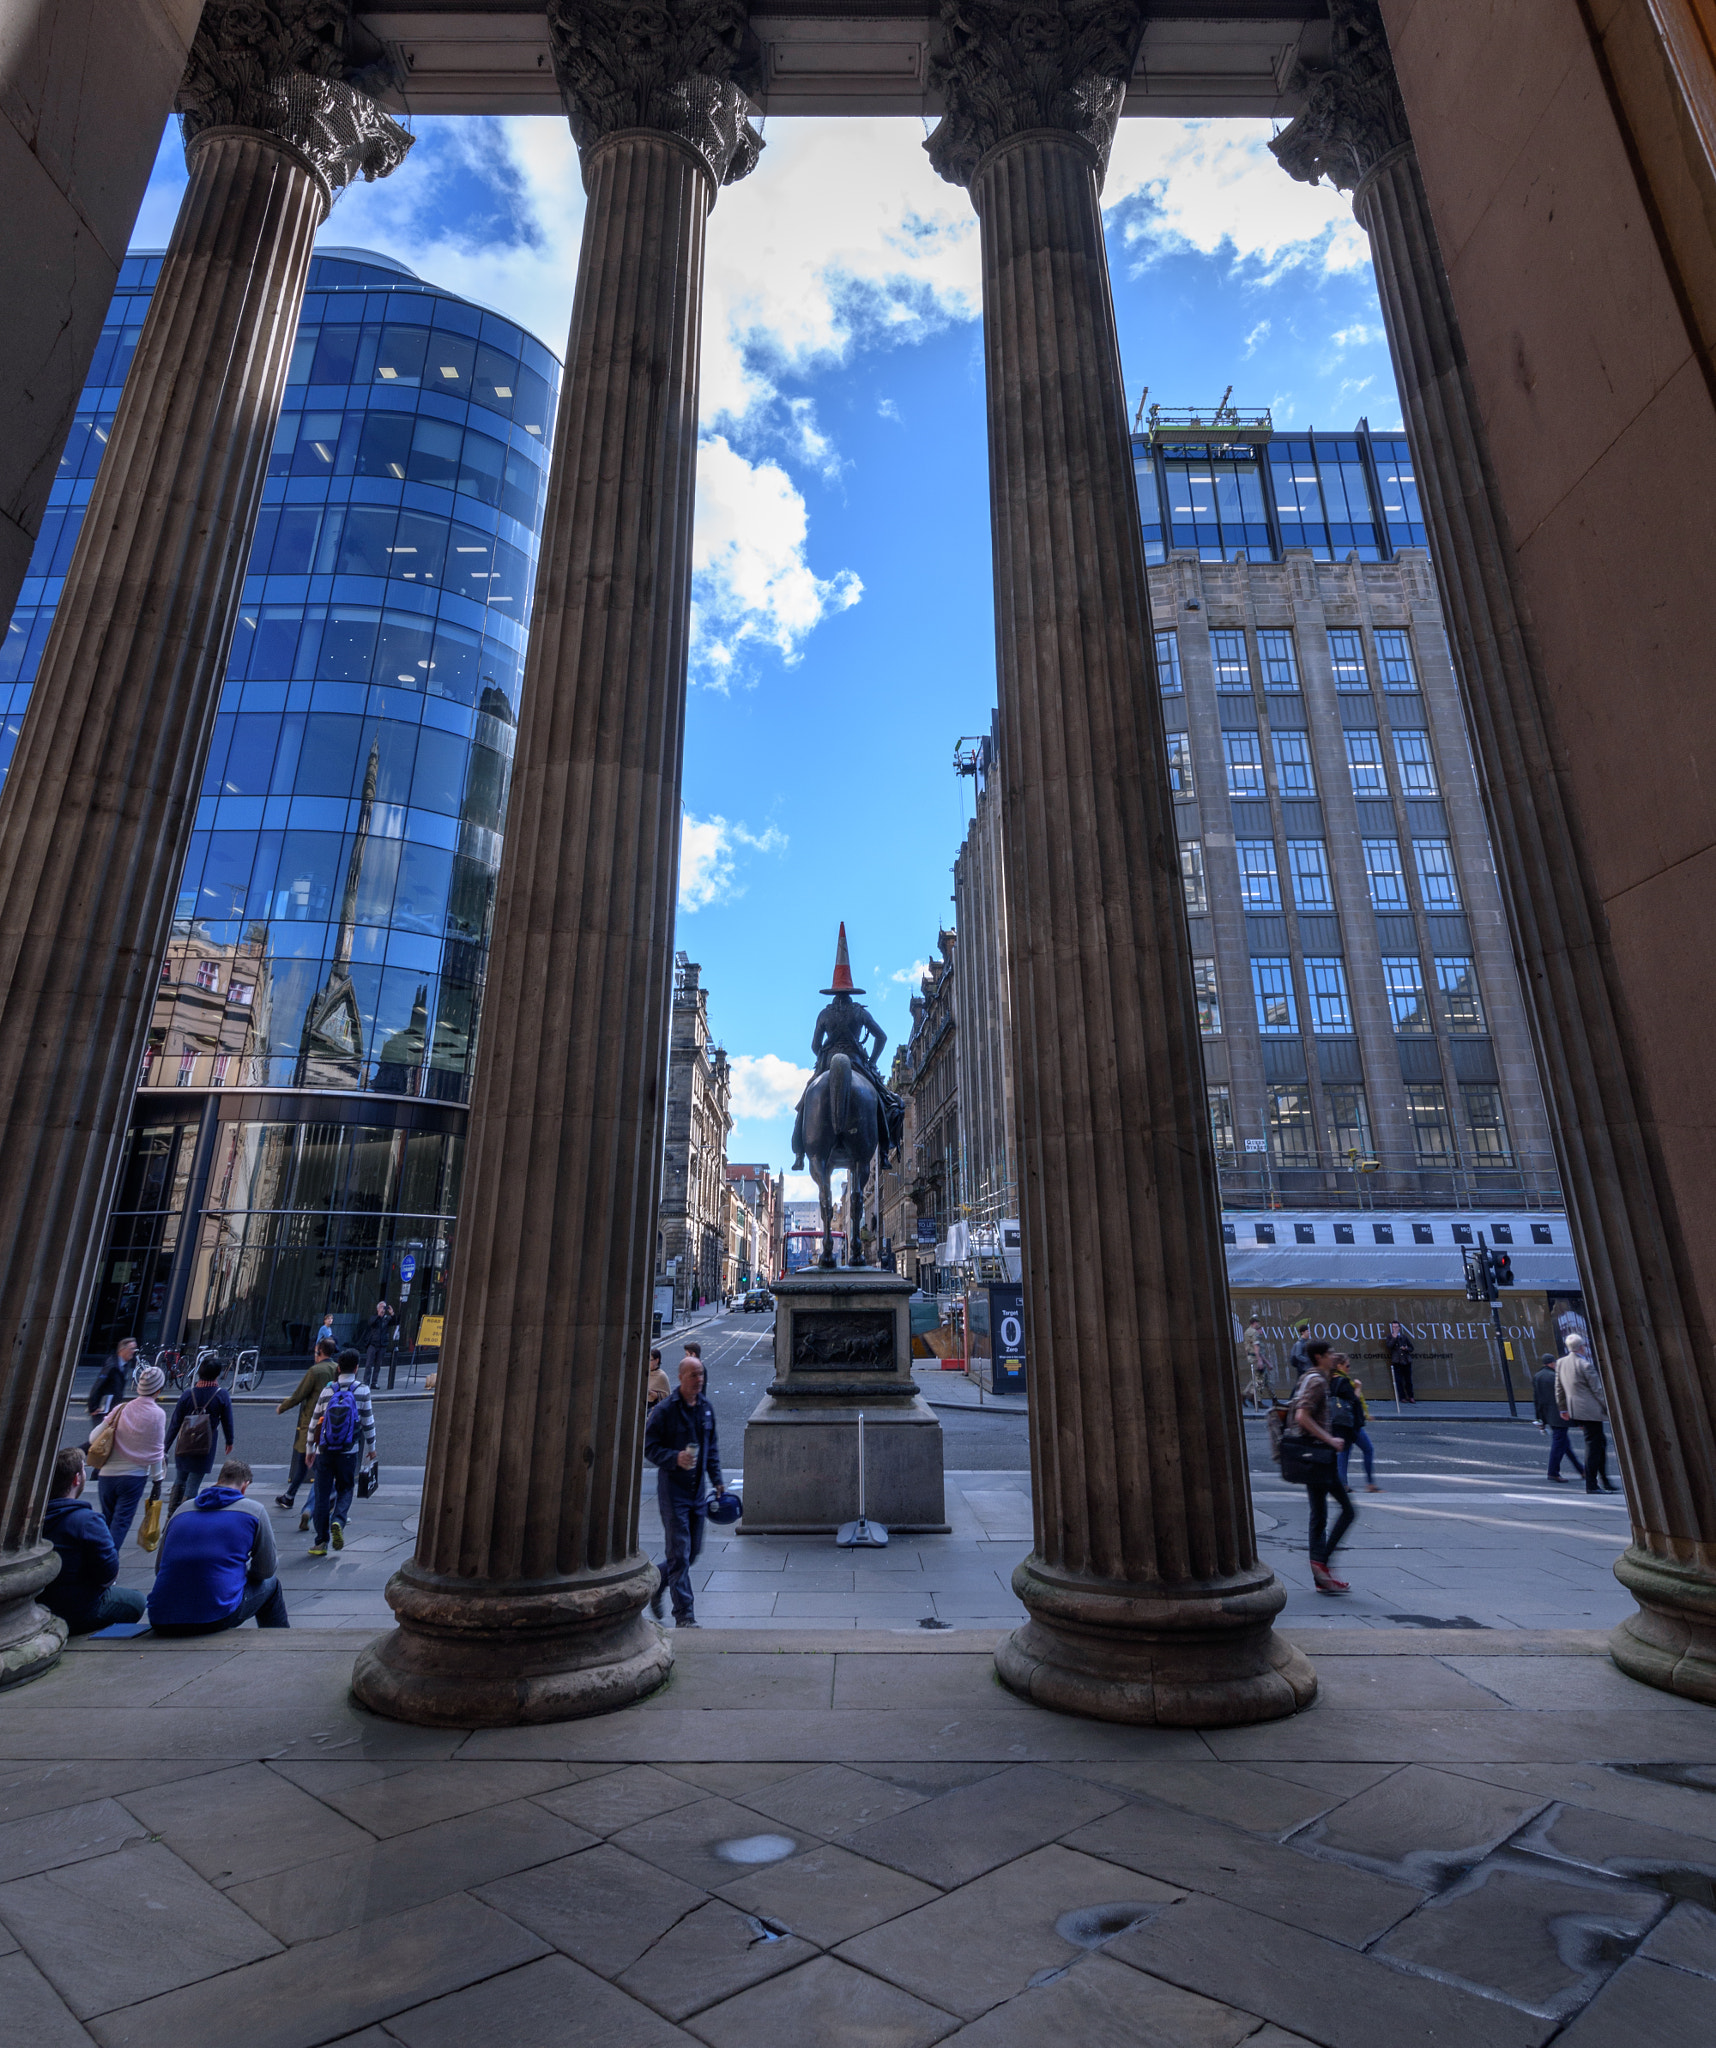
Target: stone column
point(525, 1599)
point(97, 808)
point(1147, 1600)
point(1662, 1400)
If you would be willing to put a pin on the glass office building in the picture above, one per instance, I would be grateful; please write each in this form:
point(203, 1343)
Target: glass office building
point(298, 1132)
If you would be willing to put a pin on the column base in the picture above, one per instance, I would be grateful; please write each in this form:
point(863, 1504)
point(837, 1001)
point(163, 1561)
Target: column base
point(1671, 1642)
point(1200, 1655)
point(31, 1638)
point(469, 1654)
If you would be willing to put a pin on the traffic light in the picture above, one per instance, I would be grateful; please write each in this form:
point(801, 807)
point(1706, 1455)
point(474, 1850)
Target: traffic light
point(1501, 1270)
point(1478, 1258)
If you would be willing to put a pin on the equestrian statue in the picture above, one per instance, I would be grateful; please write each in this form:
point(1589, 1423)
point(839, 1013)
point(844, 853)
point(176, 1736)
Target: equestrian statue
point(846, 1114)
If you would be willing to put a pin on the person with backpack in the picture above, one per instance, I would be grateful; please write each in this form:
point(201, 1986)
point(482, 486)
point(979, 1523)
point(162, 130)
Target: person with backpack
point(341, 1438)
point(218, 1565)
point(1310, 1451)
point(304, 1397)
point(191, 1433)
point(128, 1452)
point(1343, 1388)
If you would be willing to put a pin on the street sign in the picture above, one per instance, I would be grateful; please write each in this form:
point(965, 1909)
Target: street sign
point(408, 1268)
point(429, 1333)
point(1257, 1144)
point(1007, 1338)
point(926, 1232)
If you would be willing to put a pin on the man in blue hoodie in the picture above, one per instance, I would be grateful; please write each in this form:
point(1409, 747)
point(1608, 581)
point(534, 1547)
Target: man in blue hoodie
point(84, 1595)
point(217, 1564)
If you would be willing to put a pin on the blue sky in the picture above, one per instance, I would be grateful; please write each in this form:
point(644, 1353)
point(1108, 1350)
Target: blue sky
point(843, 625)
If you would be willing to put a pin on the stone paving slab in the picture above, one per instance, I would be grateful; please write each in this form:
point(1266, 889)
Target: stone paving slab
point(940, 1860)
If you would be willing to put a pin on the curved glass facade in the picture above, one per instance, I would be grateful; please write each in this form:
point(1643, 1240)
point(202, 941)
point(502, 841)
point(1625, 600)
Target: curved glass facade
point(333, 915)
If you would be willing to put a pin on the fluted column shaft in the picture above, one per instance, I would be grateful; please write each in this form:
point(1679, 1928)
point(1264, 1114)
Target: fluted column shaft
point(1146, 1595)
point(530, 1514)
point(98, 804)
point(1661, 1395)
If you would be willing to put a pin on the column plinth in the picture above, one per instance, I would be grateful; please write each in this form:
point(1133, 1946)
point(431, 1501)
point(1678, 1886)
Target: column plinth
point(1622, 1205)
point(1147, 1600)
point(101, 795)
point(525, 1600)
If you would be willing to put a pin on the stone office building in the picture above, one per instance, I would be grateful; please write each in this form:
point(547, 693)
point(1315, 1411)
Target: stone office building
point(1363, 1034)
point(693, 1232)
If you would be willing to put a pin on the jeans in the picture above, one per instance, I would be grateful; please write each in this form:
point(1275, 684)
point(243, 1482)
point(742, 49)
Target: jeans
point(111, 1604)
point(1596, 1457)
point(266, 1601)
point(1323, 1546)
point(336, 1479)
point(188, 1476)
point(1364, 1443)
point(299, 1473)
point(1402, 1370)
point(119, 1498)
point(682, 1523)
point(1560, 1448)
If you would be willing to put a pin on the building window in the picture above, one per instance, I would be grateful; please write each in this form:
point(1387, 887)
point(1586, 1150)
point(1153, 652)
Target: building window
point(1244, 760)
point(1272, 984)
point(1180, 763)
point(1427, 1106)
point(1404, 979)
point(1233, 670)
point(1293, 774)
point(1364, 764)
point(1346, 652)
point(1417, 765)
point(1221, 1124)
point(1394, 653)
point(208, 974)
point(222, 1067)
point(1280, 671)
point(1168, 662)
point(1349, 1121)
point(1437, 881)
point(1209, 1000)
point(1192, 878)
point(187, 1066)
point(1486, 1127)
point(1457, 993)
point(1326, 986)
point(1384, 874)
point(1308, 863)
point(166, 971)
point(1292, 1139)
point(1259, 887)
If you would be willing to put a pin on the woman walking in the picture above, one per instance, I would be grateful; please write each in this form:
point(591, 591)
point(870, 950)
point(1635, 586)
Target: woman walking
point(1316, 1464)
point(1343, 1387)
point(138, 1458)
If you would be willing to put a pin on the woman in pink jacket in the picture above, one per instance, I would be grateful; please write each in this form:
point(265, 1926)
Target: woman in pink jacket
point(139, 1457)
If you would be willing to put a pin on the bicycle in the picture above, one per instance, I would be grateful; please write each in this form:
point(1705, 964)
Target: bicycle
point(173, 1364)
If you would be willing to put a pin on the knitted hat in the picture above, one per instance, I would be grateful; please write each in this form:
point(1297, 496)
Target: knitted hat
point(151, 1380)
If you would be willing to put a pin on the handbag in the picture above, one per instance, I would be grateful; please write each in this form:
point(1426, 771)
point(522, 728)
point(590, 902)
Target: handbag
point(149, 1528)
point(368, 1481)
point(1303, 1459)
point(102, 1442)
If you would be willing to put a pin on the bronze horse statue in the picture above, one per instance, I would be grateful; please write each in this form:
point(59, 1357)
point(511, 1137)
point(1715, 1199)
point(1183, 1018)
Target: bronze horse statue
point(843, 1125)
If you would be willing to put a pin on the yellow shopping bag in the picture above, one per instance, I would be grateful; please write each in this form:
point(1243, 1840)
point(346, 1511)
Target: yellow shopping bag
point(149, 1529)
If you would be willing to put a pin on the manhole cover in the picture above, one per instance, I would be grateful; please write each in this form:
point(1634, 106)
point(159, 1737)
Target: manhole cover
point(1091, 1926)
point(755, 1848)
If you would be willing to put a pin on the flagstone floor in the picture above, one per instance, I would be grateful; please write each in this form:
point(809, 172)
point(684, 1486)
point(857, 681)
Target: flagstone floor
point(846, 1839)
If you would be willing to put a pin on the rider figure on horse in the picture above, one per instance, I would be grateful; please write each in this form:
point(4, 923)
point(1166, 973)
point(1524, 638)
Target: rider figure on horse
point(843, 1026)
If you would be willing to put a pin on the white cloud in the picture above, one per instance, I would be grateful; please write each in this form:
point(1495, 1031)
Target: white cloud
point(1258, 335)
point(708, 858)
point(1212, 186)
point(752, 583)
point(886, 409)
point(1359, 335)
point(912, 975)
point(765, 1085)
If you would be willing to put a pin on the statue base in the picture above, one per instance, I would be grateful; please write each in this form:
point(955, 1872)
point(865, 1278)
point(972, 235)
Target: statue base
point(843, 1347)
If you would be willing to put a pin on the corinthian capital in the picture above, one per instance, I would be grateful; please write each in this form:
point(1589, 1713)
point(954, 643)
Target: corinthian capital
point(1353, 114)
point(683, 67)
point(1009, 66)
point(298, 70)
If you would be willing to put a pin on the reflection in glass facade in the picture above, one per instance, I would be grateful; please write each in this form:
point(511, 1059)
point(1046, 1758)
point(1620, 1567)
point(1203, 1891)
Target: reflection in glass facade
point(333, 915)
point(1249, 500)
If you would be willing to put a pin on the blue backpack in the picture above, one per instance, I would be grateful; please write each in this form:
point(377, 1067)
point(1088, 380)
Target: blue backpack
point(340, 1419)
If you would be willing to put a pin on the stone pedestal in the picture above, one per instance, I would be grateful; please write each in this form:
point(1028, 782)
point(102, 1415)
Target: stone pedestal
point(1650, 1327)
point(1148, 1602)
point(98, 805)
point(843, 1347)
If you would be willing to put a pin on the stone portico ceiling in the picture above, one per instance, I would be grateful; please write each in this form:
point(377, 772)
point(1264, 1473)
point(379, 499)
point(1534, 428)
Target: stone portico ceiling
point(1198, 57)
